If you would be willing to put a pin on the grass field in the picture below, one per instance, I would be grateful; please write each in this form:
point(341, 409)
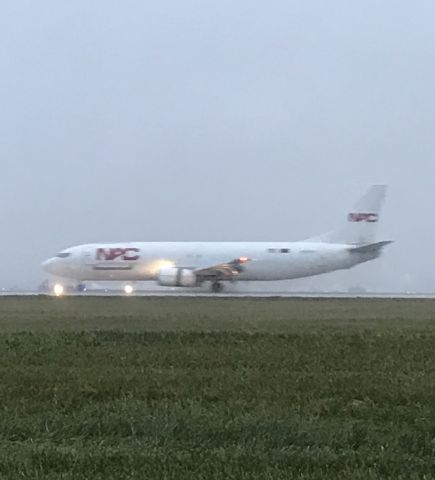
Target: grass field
point(203, 388)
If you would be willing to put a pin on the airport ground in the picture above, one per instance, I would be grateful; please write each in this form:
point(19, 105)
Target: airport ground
point(216, 388)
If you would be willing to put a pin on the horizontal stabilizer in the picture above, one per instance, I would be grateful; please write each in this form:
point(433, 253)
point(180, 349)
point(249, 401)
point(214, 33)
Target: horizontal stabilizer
point(371, 247)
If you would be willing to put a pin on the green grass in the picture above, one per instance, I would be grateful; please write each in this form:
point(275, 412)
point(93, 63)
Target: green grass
point(181, 388)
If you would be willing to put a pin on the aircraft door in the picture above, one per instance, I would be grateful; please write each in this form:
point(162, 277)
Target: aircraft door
point(88, 257)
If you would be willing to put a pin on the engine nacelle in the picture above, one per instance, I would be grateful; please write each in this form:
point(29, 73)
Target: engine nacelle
point(177, 277)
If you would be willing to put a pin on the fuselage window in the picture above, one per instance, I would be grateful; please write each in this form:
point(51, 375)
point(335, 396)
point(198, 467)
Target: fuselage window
point(285, 250)
point(271, 250)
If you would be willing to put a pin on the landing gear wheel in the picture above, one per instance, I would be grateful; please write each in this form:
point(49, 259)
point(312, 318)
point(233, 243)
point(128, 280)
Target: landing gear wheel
point(217, 287)
point(81, 288)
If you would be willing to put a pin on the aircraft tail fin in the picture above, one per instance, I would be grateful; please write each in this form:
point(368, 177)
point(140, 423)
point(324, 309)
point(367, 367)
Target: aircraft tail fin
point(361, 222)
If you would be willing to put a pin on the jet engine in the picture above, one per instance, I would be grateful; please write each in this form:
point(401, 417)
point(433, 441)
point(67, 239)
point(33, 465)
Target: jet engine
point(177, 277)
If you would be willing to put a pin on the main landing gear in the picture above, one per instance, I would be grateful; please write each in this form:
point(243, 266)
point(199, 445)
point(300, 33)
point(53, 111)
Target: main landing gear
point(217, 287)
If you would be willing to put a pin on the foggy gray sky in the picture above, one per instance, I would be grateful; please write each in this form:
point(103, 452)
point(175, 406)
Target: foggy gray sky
point(227, 120)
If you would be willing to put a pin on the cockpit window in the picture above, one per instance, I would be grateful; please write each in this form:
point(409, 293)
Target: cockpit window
point(63, 254)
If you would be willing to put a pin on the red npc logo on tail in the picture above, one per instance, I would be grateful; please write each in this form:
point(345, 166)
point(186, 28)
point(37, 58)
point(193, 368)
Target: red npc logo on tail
point(363, 217)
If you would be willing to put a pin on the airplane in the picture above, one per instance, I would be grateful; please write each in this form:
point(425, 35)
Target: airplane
point(190, 264)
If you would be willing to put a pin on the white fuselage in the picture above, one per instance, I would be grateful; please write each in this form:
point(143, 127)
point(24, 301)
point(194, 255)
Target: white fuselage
point(188, 264)
point(137, 261)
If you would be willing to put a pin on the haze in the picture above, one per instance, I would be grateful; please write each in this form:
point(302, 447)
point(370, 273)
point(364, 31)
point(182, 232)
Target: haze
point(223, 120)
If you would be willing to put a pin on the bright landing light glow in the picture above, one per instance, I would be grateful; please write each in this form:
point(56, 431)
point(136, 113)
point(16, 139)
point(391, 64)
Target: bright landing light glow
point(58, 289)
point(154, 268)
point(128, 289)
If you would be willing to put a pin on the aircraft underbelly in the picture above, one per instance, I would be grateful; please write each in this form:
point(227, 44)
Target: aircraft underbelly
point(296, 267)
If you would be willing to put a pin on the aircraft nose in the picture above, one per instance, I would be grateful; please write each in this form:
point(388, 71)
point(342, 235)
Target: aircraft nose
point(50, 265)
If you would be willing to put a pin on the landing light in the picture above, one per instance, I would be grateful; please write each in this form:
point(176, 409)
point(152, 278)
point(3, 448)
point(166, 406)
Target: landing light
point(58, 289)
point(243, 259)
point(156, 266)
point(128, 289)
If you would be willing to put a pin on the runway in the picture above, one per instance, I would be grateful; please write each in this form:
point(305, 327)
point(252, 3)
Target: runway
point(252, 294)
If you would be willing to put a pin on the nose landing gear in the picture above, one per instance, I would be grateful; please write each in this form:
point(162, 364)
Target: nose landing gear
point(81, 288)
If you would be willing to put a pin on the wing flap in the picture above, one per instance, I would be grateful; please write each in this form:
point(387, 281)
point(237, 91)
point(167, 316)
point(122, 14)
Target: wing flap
point(223, 271)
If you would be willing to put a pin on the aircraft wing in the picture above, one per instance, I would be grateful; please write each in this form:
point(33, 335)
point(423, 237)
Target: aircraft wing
point(222, 271)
